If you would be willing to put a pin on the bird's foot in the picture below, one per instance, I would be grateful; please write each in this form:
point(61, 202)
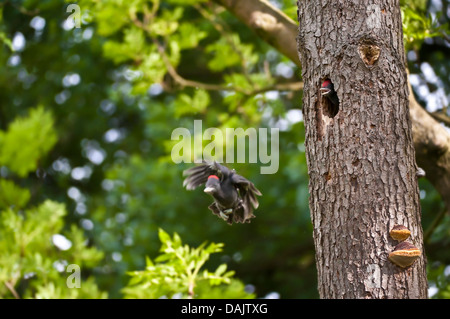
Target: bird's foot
point(225, 213)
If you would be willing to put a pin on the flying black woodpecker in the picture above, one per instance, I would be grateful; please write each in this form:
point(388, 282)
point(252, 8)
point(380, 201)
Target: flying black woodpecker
point(234, 196)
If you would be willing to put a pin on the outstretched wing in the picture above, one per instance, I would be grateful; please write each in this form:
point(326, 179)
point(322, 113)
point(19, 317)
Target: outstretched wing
point(248, 193)
point(247, 190)
point(198, 175)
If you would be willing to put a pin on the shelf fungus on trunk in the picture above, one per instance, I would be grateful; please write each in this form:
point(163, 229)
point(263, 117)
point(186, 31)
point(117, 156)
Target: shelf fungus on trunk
point(404, 254)
point(399, 233)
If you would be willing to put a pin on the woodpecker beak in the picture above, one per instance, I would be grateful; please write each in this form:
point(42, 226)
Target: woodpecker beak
point(209, 190)
point(325, 91)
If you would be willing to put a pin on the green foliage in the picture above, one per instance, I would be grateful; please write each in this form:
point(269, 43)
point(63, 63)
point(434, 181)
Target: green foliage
point(188, 36)
point(3, 37)
point(438, 280)
point(228, 52)
point(12, 195)
point(32, 265)
point(178, 271)
point(31, 259)
point(26, 141)
point(186, 104)
point(418, 25)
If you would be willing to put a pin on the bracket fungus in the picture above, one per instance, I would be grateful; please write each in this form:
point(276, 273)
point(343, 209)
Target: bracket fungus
point(400, 233)
point(404, 254)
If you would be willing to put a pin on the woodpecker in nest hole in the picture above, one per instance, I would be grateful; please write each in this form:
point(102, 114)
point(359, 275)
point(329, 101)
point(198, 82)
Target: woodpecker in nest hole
point(328, 91)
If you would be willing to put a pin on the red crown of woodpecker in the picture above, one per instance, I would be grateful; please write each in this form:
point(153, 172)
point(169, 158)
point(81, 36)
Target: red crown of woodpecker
point(326, 83)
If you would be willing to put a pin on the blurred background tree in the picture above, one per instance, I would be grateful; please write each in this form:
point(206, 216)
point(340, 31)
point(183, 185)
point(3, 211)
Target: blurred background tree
point(36, 250)
point(118, 86)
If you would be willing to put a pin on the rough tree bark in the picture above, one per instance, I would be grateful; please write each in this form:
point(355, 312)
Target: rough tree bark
point(361, 161)
point(431, 140)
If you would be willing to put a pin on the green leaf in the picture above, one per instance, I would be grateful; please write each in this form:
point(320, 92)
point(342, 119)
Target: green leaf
point(198, 103)
point(163, 236)
point(153, 67)
point(220, 270)
point(148, 262)
point(12, 195)
point(223, 54)
point(132, 47)
point(6, 40)
point(110, 17)
point(188, 36)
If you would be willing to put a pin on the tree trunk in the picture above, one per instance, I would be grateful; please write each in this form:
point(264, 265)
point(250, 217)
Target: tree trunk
point(360, 155)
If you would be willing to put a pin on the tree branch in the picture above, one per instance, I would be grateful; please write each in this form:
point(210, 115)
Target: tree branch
point(441, 117)
point(289, 86)
point(148, 16)
point(184, 82)
point(212, 19)
point(269, 23)
point(432, 144)
point(11, 289)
